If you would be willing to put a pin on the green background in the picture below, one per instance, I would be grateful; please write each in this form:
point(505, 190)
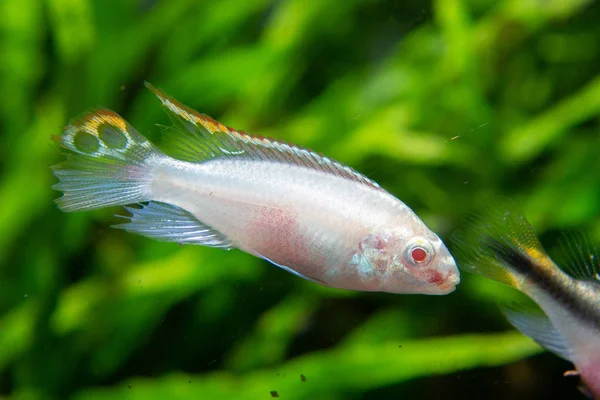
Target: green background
point(444, 103)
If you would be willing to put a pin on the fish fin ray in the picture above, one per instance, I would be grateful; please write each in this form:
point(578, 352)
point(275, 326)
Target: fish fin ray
point(288, 269)
point(499, 244)
point(169, 223)
point(106, 165)
point(197, 137)
point(530, 320)
point(579, 256)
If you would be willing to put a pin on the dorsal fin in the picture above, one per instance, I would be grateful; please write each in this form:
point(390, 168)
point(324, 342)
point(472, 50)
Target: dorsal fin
point(497, 242)
point(579, 256)
point(199, 138)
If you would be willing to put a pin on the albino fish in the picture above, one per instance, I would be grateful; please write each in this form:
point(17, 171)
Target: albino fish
point(303, 212)
point(502, 246)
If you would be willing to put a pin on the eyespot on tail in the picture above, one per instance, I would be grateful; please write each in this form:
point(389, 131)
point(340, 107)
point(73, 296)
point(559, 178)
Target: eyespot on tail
point(107, 163)
point(104, 134)
point(498, 243)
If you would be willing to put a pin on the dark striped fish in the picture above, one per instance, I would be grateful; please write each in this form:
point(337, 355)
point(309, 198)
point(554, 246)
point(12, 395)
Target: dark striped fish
point(501, 245)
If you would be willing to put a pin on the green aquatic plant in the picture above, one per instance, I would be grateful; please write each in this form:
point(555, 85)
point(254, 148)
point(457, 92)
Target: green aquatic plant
point(444, 103)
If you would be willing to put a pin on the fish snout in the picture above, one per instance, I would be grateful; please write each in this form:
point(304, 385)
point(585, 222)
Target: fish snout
point(451, 279)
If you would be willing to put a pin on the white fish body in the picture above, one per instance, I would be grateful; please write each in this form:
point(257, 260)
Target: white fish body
point(503, 246)
point(303, 212)
point(577, 331)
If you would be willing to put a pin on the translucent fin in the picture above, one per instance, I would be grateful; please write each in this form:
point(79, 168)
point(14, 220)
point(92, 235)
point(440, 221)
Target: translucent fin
point(579, 256)
point(288, 269)
point(500, 244)
point(107, 165)
point(169, 223)
point(530, 320)
point(199, 138)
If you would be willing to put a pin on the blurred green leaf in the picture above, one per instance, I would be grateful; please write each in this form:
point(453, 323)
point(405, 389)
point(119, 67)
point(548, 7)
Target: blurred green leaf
point(274, 331)
point(444, 103)
point(348, 369)
point(24, 189)
point(22, 65)
point(73, 28)
point(528, 141)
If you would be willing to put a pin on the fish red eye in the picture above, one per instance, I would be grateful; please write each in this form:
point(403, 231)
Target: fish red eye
point(418, 254)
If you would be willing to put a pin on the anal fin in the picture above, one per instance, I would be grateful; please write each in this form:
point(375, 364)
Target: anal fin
point(532, 322)
point(165, 222)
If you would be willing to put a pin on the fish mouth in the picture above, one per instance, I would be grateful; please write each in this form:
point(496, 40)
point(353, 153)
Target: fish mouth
point(443, 278)
point(453, 279)
point(442, 289)
point(449, 283)
point(446, 287)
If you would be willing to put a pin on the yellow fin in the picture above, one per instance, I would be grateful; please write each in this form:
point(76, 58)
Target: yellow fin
point(500, 244)
point(198, 138)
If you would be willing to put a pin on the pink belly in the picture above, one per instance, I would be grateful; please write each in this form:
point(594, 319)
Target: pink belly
point(274, 233)
point(590, 375)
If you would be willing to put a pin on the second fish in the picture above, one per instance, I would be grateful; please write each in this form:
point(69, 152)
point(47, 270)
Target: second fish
point(305, 213)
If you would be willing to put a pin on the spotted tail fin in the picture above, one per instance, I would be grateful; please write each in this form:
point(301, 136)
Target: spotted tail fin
point(108, 163)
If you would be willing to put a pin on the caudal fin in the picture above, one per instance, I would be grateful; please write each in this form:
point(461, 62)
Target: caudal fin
point(109, 163)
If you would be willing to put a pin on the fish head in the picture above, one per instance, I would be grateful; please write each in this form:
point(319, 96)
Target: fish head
point(407, 261)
